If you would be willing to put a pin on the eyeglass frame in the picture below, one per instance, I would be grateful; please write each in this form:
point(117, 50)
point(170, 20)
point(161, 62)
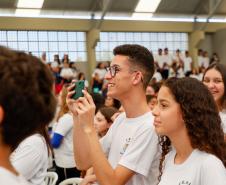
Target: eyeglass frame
point(116, 69)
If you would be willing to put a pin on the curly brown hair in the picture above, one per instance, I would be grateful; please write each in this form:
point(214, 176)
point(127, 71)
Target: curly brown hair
point(140, 57)
point(200, 115)
point(26, 96)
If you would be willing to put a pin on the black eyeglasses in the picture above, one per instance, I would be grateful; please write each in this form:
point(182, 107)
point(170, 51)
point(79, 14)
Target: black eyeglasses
point(113, 70)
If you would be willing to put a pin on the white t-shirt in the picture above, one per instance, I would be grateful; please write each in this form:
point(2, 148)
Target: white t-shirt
point(100, 72)
point(31, 159)
point(67, 73)
point(8, 178)
point(64, 155)
point(133, 143)
point(187, 64)
point(223, 120)
point(200, 168)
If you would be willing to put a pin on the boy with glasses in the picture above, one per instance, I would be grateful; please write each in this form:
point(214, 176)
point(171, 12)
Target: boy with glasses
point(128, 153)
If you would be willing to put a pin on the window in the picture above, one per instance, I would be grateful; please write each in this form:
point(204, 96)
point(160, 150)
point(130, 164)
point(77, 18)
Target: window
point(51, 42)
point(151, 40)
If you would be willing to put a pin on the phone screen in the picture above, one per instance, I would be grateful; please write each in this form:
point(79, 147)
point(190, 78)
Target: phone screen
point(79, 86)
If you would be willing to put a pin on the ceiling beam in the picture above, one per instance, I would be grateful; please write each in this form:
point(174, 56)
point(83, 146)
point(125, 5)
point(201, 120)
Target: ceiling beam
point(106, 5)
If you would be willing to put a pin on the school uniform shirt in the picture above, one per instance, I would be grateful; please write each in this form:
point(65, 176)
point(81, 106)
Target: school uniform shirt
point(223, 120)
point(64, 155)
point(8, 178)
point(200, 168)
point(133, 143)
point(30, 159)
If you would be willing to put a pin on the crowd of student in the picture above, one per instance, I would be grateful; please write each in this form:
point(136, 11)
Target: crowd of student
point(136, 132)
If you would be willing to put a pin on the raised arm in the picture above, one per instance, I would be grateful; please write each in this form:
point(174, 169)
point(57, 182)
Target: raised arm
point(104, 172)
point(80, 142)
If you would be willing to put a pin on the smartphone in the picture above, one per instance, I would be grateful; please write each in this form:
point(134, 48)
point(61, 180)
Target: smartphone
point(79, 86)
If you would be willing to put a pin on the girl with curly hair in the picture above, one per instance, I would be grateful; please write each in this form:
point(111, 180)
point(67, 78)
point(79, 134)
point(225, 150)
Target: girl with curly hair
point(215, 79)
point(190, 135)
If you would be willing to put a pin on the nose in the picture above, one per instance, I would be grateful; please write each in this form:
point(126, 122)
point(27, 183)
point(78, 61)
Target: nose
point(155, 111)
point(211, 85)
point(107, 75)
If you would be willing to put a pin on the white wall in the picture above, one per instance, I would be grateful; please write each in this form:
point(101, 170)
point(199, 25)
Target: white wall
point(219, 44)
point(207, 44)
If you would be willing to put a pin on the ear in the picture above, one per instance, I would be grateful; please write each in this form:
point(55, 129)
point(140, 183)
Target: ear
point(137, 77)
point(1, 114)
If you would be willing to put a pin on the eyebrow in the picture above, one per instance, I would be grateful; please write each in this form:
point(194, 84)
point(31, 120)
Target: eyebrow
point(115, 65)
point(163, 100)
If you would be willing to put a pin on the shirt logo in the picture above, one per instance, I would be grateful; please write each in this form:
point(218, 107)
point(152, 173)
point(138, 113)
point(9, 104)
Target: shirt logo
point(127, 142)
point(184, 183)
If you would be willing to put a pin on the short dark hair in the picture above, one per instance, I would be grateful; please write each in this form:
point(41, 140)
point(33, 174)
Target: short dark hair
point(221, 68)
point(108, 112)
point(26, 96)
point(140, 57)
point(200, 115)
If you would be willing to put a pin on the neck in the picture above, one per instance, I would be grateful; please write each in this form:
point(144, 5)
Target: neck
point(4, 158)
point(183, 147)
point(135, 105)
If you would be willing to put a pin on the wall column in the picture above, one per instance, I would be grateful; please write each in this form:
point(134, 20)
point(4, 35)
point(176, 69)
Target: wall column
point(195, 38)
point(92, 36)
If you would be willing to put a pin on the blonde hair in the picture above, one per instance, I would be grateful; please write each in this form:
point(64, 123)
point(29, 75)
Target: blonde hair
point(63, 107)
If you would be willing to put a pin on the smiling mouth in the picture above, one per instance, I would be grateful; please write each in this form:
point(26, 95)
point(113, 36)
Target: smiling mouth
point(110, 85)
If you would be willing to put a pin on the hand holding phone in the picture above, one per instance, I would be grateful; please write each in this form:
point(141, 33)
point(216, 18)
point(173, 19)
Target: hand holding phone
point(79, 86)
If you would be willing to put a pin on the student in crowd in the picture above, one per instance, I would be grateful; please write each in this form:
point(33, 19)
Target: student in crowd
point(27, 105)
point(111, 102)
point(102, 123)
point(128, 153)
point(151, 101)
point(215, 79)
point(191, 136)
point(62, 141)
point(103, 120)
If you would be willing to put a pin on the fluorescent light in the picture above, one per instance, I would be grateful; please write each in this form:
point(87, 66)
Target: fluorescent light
point(27, 12)
point(30, 3)
point(147, 6)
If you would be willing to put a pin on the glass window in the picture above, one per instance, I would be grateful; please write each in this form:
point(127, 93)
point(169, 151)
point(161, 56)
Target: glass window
point(72, 46)
point(13, 45)
point(52, 36)
point(12, 35)
point(63, 46)
point(104, 36)
point(33, 46)
point(22, 36)
point(3, 36)
point(112, 36)
point(23, 46)
point(121, 36)
point(33, 36)
point(72, 36)
point(53, 46)
point(62, 36)
point(80, 46)
point(137, 36)
point(73, 56)
point(129, 37)
point(151, 40)
point(81, 56)
point(42, 36)
point(3, 43)
point(43, 46)
point(104, 46)
point(145, 37)
point(81, 36)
